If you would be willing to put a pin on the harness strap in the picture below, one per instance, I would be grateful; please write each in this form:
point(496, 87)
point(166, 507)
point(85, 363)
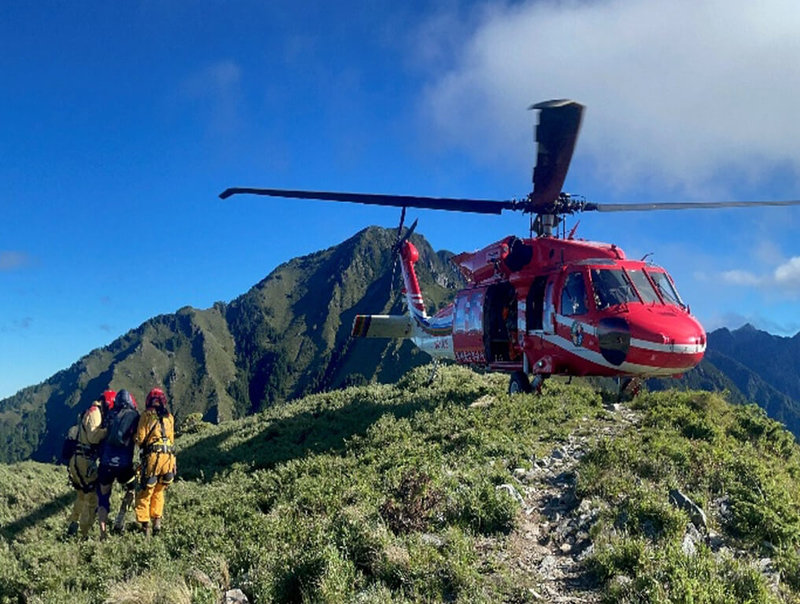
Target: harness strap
point(157, 448)
point(87, 451)
point(77, 480)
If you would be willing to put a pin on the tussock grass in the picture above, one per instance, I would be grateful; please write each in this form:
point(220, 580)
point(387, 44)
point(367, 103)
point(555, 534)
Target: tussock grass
point(150, 589)
point(385, 493)
point(737, 464)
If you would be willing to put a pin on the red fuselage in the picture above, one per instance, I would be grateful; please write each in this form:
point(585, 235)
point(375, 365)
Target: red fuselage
point(555, 306)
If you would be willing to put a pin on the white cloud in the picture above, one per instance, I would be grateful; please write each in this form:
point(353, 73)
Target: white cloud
point(216, 79)
point(678, 91)
point(788, 274)
point(785, 278)
point(739, 277)
point(216, 90)
point(10, 260)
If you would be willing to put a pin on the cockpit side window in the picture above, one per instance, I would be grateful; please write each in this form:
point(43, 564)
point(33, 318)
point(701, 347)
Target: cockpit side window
point(666, 289)
point(611, 287)
point(573, 295)
point(643, 286)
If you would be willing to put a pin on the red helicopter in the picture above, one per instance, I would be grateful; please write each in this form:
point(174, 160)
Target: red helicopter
point(549, 304)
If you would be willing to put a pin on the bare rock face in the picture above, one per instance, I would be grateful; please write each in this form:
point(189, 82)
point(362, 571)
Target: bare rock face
point(696, 513)
point(235, 596)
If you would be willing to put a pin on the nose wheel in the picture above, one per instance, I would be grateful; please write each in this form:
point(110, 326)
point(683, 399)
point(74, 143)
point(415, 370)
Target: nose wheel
point(519, 383)
point(628, 388)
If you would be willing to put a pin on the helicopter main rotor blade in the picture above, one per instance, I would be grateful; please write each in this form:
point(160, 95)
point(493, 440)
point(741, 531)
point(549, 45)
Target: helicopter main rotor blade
point(556, 134)
point(681, 205)
point(478, 206)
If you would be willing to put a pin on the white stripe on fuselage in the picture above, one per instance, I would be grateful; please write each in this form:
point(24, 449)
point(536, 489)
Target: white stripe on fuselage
point(598, 359)
point(693, 348)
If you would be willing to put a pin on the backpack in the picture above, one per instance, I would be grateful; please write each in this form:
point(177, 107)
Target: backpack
point(70, 444)
point(122, 427)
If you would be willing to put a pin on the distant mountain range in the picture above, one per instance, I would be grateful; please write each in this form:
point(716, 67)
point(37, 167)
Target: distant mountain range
point(289, 335)
point(754, 366)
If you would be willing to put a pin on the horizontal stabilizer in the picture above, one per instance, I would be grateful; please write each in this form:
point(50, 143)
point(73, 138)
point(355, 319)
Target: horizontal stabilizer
point(382, 326)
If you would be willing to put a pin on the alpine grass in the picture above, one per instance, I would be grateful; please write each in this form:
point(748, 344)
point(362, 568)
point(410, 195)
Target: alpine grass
point(388, 493)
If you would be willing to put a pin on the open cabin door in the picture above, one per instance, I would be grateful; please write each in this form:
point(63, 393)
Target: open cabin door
point(539, 306)
point(500, 323)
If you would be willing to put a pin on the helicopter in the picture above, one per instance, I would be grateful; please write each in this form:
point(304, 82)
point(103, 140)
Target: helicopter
point(548, 304)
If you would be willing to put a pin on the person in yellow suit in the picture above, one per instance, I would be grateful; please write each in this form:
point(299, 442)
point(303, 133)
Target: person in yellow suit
point(82, 465)
point(155, 437)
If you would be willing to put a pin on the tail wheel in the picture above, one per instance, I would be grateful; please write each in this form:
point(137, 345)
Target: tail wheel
point(519, 383)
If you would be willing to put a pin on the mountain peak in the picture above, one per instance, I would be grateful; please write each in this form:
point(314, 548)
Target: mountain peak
point(287, 336)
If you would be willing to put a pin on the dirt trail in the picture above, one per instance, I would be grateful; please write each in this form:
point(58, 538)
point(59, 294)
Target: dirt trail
point(551, 538)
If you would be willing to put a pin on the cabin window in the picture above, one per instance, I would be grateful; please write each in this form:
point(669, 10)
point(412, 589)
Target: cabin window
point(666, 289)
point(535, 304)
point(611, 287)
point(573, 295)
point(460, 317)
point(644, 287)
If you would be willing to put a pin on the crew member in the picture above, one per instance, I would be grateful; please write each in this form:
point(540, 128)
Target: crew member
point(116, 459)
point(82, 465)
point(155, 437)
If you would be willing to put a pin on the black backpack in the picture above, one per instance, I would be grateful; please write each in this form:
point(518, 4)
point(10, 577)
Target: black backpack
point(122, 427)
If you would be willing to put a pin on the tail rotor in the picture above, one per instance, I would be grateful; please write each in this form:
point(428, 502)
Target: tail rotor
point(398, 244)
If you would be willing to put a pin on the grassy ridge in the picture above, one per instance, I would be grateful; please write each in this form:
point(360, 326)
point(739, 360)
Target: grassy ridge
point(286, 337)
point(389, 493)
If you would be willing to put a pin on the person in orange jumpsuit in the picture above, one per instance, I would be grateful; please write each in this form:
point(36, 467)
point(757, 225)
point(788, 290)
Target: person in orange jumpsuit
point(83, 464)
point(155, 436)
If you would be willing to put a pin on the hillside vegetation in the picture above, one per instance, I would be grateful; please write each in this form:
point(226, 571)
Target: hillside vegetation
point(441, 488)
point(287, 336)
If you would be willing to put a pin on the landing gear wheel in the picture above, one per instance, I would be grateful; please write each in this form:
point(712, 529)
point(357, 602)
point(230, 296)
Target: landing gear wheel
point(434, 371)
point(628, 389)
point(519, 383)
point(538, 381)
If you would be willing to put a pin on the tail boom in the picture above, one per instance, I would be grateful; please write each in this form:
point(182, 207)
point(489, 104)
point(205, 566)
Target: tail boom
point(433, 335)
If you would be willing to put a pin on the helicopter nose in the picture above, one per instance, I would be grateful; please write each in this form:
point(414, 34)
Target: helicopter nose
point(670, 344)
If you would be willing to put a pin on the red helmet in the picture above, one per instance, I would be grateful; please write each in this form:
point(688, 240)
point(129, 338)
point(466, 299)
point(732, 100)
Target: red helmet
point(107, 399)
point(156, 398)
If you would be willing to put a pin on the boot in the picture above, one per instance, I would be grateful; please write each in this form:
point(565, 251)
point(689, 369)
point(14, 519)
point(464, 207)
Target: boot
point(145, 528)
point(102, 517)
point(156, 525)
point(119, 521)
point(72, 529)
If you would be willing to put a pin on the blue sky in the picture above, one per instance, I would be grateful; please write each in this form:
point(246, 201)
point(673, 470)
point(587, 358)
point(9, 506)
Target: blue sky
point(121, 122)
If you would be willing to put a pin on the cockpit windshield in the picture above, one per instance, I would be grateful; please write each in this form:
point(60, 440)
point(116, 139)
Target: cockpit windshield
point(666, 289)
point(611, 287)
point(646, 291)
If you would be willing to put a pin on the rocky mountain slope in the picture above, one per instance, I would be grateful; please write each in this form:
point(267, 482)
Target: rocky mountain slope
point(441, 488)
point(287, 336)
